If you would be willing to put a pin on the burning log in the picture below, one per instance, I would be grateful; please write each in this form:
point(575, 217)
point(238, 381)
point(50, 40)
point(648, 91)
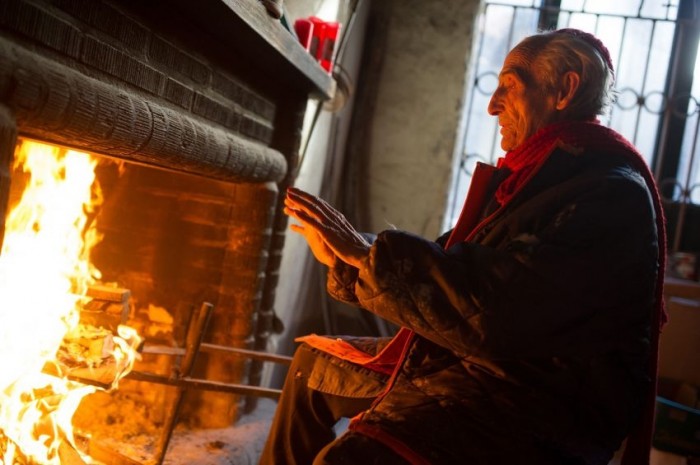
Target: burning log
point(101, 453)
point(87, 352)
point(87, 345)
point(108, 307)
point(102, 377)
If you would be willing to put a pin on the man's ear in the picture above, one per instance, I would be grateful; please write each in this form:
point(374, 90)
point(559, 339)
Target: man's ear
point(567, 90)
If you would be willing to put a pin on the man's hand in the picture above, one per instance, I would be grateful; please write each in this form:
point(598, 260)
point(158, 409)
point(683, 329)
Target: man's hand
point(328, 233)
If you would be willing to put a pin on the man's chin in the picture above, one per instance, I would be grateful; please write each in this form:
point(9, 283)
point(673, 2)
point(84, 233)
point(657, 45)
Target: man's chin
point(508, 142)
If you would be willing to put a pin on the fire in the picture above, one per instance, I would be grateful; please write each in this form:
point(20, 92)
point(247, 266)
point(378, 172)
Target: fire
point(44, 276)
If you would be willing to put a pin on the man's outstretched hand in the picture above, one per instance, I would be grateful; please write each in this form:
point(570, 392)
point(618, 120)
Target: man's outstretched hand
point(328, 233)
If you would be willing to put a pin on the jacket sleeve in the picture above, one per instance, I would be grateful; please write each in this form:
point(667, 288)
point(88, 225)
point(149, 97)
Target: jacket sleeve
point(565, 272)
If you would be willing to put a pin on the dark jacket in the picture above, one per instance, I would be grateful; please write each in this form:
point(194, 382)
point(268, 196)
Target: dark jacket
point(530, 341)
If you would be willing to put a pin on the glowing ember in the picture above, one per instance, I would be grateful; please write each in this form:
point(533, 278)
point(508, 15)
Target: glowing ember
point(44, 276)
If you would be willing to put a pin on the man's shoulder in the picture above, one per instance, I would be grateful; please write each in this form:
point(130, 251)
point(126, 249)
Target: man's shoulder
point(628, 165)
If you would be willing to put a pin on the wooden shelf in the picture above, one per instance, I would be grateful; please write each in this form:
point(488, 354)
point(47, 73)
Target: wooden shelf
point(247, 28)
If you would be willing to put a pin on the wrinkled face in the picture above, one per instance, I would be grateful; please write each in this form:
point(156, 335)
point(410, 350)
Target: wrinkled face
point(520, 100)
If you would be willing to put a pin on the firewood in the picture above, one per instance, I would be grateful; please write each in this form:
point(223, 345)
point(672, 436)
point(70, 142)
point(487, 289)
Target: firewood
point(86, 345)
point(108, 293)
point(102, 377)
point(108, 307)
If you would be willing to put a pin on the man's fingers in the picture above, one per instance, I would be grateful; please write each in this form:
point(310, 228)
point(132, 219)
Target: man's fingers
point(304, 217)
point(302, 198)
point(314, 206)
point(297, 204)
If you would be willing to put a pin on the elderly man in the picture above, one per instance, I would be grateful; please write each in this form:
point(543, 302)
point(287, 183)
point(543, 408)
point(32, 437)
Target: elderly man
point(529, 332)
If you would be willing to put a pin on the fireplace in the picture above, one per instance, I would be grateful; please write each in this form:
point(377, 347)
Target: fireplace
point(195, 111)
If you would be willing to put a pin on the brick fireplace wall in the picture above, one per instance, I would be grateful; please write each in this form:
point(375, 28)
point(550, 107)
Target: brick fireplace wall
point(200, 104)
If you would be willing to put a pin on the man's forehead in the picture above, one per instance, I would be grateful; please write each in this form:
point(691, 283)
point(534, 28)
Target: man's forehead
point(518, 63)
point(514, 71)
point(521, 73)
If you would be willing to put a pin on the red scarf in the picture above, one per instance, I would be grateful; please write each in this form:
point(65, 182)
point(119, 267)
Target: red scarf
point(592, 137)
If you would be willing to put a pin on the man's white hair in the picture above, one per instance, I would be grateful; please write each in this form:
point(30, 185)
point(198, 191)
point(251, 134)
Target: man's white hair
point(555, 53)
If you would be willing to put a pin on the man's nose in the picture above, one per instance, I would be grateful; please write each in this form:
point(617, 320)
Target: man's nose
point(494, 107)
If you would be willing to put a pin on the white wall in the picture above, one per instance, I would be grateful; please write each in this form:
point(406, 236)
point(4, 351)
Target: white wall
point(418, 108)
point(412, 133)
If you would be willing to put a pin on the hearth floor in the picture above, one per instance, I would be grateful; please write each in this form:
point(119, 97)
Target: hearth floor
point(239, 445)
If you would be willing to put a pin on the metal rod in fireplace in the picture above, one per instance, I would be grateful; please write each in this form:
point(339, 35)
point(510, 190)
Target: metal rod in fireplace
point(181, 379)
point(194, 383)
point(207, 347)
point(195, 332)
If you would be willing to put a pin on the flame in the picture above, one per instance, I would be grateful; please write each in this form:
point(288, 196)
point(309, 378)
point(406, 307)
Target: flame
point(44, 275)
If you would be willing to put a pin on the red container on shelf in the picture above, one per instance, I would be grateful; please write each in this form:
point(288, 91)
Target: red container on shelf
point(323, 38)
point(327, 34)
point(318, 37)
point(304, 29)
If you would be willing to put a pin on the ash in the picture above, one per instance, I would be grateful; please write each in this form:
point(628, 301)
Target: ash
point(238, 445)
point(123, 428)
